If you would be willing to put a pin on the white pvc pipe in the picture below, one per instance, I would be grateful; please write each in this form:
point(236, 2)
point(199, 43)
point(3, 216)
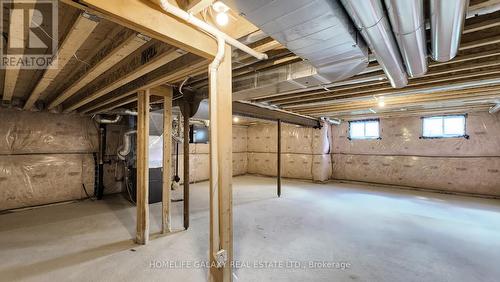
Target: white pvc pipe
point(214, 169)
point(190, 18)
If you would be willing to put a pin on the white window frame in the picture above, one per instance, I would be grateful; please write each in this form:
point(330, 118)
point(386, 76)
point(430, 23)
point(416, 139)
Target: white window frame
point(443, 118)
point(364, 121)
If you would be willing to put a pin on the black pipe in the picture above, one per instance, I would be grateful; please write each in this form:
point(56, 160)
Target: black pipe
point(102, 154)
point(279, 159)
point(176, 177)
point(186, 165)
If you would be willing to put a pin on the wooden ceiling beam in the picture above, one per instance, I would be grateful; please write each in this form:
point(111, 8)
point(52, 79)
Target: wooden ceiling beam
point(149, 19)
point(123, 45)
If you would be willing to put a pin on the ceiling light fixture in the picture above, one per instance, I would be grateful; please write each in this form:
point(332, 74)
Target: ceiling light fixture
point(236, 119)
point(221, 9)
point(222, 19)
point(381, 102)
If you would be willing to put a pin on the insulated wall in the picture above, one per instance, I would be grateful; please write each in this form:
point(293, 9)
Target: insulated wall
point(45, 158)
point(305, 151)
point(199, 158)
point(402, 158)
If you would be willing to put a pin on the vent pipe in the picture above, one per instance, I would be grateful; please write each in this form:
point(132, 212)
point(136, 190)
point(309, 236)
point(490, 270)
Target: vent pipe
point(408, 25)
point(447, 22)
point(369, 17)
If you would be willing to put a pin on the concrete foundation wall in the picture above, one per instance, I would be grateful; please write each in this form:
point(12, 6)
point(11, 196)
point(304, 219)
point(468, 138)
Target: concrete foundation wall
point(400, 157)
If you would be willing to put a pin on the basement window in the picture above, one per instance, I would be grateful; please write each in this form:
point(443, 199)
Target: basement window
point(452, 126)
point(364, 129)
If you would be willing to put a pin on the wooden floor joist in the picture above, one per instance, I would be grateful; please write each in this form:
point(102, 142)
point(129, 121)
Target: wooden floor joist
point(166, 74)
point(148, 18)
point(142, 194)
point(155, 63)
point(15, 40)
point(107, 59)
point(81, 30)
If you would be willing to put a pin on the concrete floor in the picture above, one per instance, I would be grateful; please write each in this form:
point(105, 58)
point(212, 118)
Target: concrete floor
point(384, 234)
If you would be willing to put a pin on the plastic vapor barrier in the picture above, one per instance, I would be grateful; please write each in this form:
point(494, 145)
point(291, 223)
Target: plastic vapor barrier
point(199, 156)
point(24, 132)
point(30, 180)
point(45, 158)
point(401, 157)
point(466, 175)
point(305, 151)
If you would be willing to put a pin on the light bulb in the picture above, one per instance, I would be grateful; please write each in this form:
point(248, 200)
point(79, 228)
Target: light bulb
point(381, 104)
point(236, 119)
point(222, 19)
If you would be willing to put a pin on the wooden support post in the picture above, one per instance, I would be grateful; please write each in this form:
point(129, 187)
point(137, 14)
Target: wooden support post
point(167, 163)
point(221, 198)
point(187, 110)
point(279, 159)
point(142, 235)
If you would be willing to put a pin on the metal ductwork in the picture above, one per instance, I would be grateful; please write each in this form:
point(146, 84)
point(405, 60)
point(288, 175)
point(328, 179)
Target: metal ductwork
point(371, 20)
point(289, 79)
point(318, 31)
point(101, 120)
point(126, 147)
point(447, 22)
point(408, 25)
